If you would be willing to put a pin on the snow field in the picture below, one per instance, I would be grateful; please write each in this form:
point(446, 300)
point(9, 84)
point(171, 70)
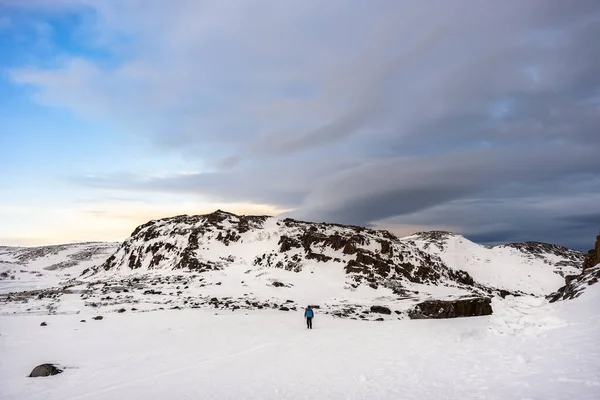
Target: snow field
point(194, 354)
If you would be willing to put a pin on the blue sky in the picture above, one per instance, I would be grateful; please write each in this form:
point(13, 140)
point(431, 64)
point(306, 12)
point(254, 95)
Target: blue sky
point(480, 117)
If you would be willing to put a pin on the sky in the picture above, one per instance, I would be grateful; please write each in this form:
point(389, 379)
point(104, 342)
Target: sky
point(478, 117)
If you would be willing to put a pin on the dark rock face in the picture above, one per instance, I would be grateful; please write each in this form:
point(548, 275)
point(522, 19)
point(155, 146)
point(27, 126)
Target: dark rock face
point(381, 310)
point(452, 308)
point(44, 370)
point(592, 257)
point(577, 285)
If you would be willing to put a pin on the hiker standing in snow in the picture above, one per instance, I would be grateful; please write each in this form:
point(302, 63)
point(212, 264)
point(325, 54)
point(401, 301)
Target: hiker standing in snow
point(309, 314)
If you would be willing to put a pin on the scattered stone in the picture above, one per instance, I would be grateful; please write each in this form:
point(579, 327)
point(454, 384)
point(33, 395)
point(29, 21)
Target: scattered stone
point(44, 370)
point(381, 310)
point(121, 310)
point(284, 309)
point(98, 318)
point(43, 324)
point(83, 320)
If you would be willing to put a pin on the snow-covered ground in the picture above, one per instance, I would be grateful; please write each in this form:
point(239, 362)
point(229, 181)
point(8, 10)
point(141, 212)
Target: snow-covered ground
point(222, 331)
point(527, 350)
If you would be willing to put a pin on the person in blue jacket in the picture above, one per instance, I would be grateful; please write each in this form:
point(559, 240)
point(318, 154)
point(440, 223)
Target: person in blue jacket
point(309, 314)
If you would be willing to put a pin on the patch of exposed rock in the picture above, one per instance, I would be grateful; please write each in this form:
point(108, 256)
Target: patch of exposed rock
point(576, 285)
point(592, 258)
point(435, 309)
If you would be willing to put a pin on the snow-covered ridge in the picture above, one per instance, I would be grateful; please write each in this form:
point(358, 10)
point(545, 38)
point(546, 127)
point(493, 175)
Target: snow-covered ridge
point(29, 268)
point(230, 262)
point(530, 267)
point(362, 256)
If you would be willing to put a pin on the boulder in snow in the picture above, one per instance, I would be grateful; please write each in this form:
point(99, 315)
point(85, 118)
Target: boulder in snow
point(473, 307)
point(44, 370)
point(381, 310)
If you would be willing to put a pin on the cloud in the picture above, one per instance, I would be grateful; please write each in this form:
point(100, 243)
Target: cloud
point(561, 217)
point(354, 112)
point(409, 184)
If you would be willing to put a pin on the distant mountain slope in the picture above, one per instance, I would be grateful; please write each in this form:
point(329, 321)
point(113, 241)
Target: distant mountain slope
point(28, 268)
point(530, 267)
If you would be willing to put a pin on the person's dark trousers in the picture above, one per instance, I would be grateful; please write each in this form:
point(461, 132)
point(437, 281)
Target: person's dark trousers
point(309, 323)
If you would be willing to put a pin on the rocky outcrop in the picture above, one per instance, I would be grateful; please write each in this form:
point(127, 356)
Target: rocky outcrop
point(159, 242)
point(45, 370)
point(592, 257)
point(575, 285)
point(435, 309)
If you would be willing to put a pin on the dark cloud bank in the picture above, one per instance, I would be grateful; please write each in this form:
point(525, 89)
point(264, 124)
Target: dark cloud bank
point(482, 116)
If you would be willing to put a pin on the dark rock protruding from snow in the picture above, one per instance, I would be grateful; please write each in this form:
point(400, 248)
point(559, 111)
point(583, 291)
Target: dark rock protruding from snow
point(435, 309)
point(576, 285)
point(592, 257)
point(45, 370)
point(381, 310)
point(98, 318)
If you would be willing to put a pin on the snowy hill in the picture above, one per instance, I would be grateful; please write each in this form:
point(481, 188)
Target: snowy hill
point(30, 268)
point(530, 267)
point(367, 257)
point(225, 261)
